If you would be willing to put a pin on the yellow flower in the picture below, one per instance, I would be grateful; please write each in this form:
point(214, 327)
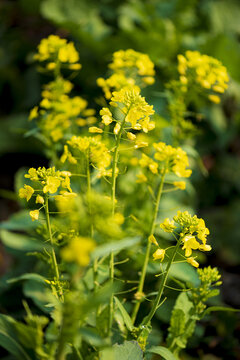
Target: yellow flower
point(159, 254)
point(116, 128)
point(106, 116)
point(52, 185)
point(131, 136)
point(153, 240)
point(26, 192)
point(167, 225)
point(33, 113)
point(205, 71)
point(39, 199)
point(34, 214)
point(134, 106)
point(214, 98)
point(175, 159)
point(193, 262)
point(78, 250)
point(141, 178)
point(180, 185)
point(95, 129)
point(190, 243)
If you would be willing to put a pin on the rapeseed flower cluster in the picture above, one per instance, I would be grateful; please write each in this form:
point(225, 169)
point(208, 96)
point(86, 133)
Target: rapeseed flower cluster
point(78, 250)
point(46, 181)
point(131, 69)
point(58, 112)
point(135, 109)
point(205, 71)
point(192, 230)
point(56, 52)
point(169, 160)
point(93, 149)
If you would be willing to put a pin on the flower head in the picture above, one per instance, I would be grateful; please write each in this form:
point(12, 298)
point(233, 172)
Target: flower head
point(26, 192)
point(159, 254)
point(78, 250)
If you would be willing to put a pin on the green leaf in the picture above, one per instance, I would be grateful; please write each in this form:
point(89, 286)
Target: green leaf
point(92, 337)
point(19, 222)
point(126, 317)
point(8, 338)
point(20, 242)
point(164, 352)
point(218, 308)
point(178, 320)
point(27, 276)
point(115, 246)
point(129, 350)
point(184, 272)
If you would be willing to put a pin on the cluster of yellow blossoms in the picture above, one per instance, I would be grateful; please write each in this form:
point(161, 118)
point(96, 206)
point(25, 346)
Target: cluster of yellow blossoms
point(135, 110)
point(46, 181)
point(57, 51)
point(131, 69)
point(78, 250)
point(170, 160)
point(58, 112)
point(192, 229)
point(206, 71)
point(94, 150)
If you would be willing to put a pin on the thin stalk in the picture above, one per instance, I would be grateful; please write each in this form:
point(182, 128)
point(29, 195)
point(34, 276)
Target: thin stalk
point(113, 197)
point(114, 166)
point(89, 191)
point(53, 255)
point(148, 249)
point(111, 276)
point(149, 317)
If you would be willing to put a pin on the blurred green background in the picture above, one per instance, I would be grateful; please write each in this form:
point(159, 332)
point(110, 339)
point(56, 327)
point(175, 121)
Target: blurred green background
point(162, 29)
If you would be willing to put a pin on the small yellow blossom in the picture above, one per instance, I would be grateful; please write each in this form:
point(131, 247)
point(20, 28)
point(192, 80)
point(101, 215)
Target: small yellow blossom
point(190, 243)
point(33, 113)
point(193, 262)
point(153, 240)
point(26, 192)
point(78, 250)
point(95, 129)
point(34, 214)
point(214, 98)
point(180, 185)
point(141, 178)
point(106, 116)
point(39, 199)
point(52, 185)
point(159, 254)
point(167, 225)
point(131, 136)
point(119, 218)
point(116, 128)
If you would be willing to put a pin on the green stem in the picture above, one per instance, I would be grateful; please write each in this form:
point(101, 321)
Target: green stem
point(89, 192)
point(113, 197)
point(114, 166)
point(147, 254)
point(149, 317)
point(53, 255)
point(111, 276)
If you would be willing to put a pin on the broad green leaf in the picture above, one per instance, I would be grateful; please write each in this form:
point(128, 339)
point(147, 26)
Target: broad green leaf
point(178, 320)
point(116, 246)
point(162, 351)
point(28, 276)
point(184, 272)
point(129, 350)
point(19, 221)
point(20, 242)
point(126, 317)
point(8, 338)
